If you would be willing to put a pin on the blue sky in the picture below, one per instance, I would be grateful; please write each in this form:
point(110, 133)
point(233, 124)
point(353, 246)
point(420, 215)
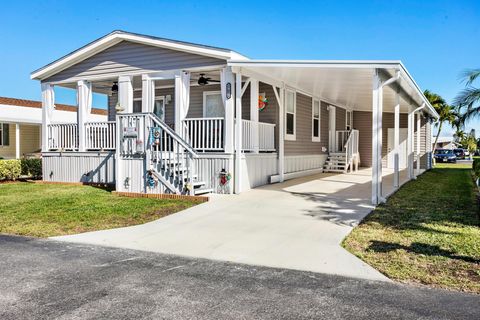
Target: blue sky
point(436, 40)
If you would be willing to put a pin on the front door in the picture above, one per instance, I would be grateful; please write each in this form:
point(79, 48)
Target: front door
point(159, 107)
point(331, 128)
point(402, 153)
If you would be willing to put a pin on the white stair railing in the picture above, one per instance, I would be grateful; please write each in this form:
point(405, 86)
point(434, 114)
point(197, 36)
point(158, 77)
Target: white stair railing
point(351, 149)
point(171, 158)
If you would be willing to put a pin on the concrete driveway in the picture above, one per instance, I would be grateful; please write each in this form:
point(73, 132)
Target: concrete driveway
point(298, 225)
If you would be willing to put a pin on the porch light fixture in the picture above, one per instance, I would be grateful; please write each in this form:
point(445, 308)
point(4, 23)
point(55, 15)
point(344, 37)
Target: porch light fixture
point(229, 90)
point(115, 87)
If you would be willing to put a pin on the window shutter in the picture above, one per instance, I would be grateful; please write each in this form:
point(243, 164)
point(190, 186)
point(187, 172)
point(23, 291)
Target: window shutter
point(6, 134)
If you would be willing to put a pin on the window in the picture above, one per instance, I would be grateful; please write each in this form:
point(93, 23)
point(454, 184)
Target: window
point(290, 115)
point(213, 104)
point(316, 121)
point(4, 134)
point(349, 120)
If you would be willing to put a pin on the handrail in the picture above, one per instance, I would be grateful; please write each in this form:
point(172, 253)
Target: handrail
point(165, 127)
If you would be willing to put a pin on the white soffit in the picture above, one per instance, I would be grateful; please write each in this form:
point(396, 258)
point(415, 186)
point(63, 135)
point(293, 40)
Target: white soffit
point(345, 83)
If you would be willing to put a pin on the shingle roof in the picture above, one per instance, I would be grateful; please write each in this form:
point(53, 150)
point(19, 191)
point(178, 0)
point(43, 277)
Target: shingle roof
point(38, 104)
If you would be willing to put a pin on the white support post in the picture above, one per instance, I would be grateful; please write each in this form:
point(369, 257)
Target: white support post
point(84, 94)
point(229, 144)
point(280, 96)
point(17, 141)
point(419, 125)
point(377, 112)
point(396, 155)
point(48, 103)
point(254, 114)
point(410, 143)
point(238, 133)
point(148, 93)
point(178, 106)
point(125, 93)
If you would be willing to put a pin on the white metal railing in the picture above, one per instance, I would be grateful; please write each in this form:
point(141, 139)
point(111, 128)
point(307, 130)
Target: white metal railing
point(170, 158)
point(351, 148)
point(266, 139)
point(341, 139)
point(63, 136)
point(100, 135)
point(266, 136)
point(205, 134)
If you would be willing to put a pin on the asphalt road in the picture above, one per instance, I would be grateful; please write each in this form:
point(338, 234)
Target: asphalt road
point(44, 279)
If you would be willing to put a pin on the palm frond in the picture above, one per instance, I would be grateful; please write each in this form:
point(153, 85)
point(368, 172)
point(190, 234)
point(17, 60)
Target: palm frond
point(467, 97)
point(469, 76)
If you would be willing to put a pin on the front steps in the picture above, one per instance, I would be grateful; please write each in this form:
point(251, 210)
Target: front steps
point(336, 162)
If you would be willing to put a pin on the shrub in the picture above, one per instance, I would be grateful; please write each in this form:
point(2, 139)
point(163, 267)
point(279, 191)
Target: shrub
point(32, 167)
point(10, 169)
point(476, 167)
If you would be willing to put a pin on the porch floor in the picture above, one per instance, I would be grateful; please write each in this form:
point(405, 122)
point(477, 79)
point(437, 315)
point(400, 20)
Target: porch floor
point(298, 224)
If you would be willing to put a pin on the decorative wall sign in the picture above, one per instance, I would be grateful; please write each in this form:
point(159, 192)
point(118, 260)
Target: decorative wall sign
point(130, 132)
point(262, 101)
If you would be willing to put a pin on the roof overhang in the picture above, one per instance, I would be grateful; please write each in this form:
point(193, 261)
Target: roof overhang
point(116, 37)
point(345, 83)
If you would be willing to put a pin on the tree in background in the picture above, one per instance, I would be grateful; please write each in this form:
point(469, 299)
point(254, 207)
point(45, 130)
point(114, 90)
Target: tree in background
point(468, 100)
point(446, 112)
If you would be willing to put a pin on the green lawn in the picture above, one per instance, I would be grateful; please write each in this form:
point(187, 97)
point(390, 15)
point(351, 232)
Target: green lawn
point(427, 233)
point(44, 210)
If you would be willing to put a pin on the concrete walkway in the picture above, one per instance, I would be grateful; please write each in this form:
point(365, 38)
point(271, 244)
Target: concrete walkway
point(298, 224)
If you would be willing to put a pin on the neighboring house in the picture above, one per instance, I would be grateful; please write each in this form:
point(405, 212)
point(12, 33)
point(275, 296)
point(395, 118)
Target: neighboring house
point(21, 123)
point(181, 115)
point(444, 143)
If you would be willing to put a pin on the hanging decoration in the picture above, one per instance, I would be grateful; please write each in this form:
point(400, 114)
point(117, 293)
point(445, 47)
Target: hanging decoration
point(225, 178)
point(262, 101)
point(152, 182)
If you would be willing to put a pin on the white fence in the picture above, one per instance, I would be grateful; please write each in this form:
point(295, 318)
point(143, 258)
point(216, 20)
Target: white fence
point(266, 136)
point(205, 134)
point(63, 136)
point(100, 135)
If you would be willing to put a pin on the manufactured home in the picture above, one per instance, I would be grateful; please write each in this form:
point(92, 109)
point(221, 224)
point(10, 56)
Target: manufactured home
point(185, 118)
point(21, 124)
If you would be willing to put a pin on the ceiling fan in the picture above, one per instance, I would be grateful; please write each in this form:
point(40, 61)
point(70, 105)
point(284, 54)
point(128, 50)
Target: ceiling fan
point(111, 89)
point(205, 80)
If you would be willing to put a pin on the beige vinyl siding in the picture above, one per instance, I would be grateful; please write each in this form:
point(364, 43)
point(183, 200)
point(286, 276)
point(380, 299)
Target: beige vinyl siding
point(29, 141)
point(362, 121)
point(29, 138)
point(270, 113)
point(303, 144)
point(128, 57)
point(425, 143)
point(196, 99)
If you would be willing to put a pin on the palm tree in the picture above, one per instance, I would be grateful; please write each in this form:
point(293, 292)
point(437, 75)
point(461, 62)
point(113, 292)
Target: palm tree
point(444, 110)
point(469, 98)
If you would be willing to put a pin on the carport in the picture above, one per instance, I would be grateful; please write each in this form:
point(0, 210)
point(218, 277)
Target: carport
point(377, 87)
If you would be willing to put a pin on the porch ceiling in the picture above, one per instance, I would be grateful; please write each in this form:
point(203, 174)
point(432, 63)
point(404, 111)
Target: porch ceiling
point(347, 84)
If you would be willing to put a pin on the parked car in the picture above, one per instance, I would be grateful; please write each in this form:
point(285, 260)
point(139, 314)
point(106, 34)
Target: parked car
point(445, 155)
point(467, 153)
point(460, 153)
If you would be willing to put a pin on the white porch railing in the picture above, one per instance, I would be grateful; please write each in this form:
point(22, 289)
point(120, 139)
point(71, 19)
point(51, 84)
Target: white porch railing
point(205, 134)
point(63, 136)
point(100, 135)
point(351, 149)
point(266, 136)
point(341, 140)
point(266, 139)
